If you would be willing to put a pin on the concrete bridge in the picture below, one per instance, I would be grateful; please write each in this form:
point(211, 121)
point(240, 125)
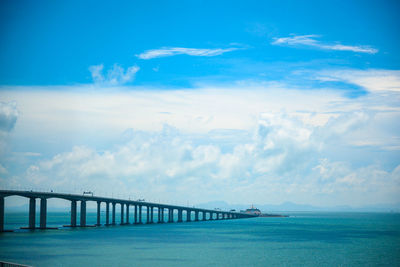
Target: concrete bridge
point(137, 207)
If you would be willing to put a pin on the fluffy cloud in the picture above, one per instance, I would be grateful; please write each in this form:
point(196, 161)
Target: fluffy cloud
point(8, 116)
point(310, 41)
point(283, 157)
point(115, 76)
point(172, 51)
point(245, 143)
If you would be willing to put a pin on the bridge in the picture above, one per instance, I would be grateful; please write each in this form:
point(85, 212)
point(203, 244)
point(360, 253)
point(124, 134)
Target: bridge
point(138, 207)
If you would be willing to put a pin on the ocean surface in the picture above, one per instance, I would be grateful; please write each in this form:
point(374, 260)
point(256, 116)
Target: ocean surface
point(303, 239)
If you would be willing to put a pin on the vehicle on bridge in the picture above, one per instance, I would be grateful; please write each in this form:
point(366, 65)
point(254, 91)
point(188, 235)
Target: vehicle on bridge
point(87, 193)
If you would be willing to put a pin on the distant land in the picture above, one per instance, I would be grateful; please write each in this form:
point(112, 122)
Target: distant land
point(265, 208)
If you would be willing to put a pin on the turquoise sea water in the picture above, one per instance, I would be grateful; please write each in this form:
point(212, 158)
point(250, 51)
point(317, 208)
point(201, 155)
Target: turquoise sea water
point(304, 239)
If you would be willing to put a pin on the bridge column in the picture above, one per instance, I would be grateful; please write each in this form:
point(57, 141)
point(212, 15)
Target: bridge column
point(113, 213)
point(188, 219)
point(98, 213)
point(32, 212)
point(136, 211)
point(159, 215)
point(73, 213)
point(179, 215)
point(1, 214)
point(122, 213)
point(127, 213)
point(107, 213)
point(147, 214)
point(162, 215)
point(204, 215)
point(83, 213)
point(43, 213)
point(151, 215)
point(170, 215)
point(196, 215)
point(140, 214)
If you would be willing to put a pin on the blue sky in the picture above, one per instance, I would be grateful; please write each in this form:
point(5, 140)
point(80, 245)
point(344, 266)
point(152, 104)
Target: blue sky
point(252, 102)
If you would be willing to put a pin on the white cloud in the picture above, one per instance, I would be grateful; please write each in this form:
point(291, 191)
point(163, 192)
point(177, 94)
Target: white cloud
point(115, 76)
point(244, 143)
point(8, 115)
point(172, 51)
point(283, 158)
point(310, 40)
point(373, 80)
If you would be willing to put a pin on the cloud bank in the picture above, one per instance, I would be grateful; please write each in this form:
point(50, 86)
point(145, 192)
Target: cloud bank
point(283, 157)
point(173, 51)
point(310, 41)
point(265, 143)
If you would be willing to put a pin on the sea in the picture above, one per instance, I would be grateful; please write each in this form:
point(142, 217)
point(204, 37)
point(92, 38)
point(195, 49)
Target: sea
point(302, 239)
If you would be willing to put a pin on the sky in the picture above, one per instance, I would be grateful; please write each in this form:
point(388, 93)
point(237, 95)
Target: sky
point(196, 101)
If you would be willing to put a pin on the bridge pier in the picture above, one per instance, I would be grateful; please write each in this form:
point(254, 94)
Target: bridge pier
point(151, 215)
point(32, 213)
point(135, 215)
point(188, 214)
point(98, 213)
point(140, 214)
point(107, 213)
point(1, 214)
point(179, 215)
point(73, 213)
point(159, 215)
point(147, 214)
point(122, 213)
point(127, 213)
point(170, 215)
point(113, 213)
point(196, 215)
point(83, 213)
point(162, 215)
point(43, 213)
